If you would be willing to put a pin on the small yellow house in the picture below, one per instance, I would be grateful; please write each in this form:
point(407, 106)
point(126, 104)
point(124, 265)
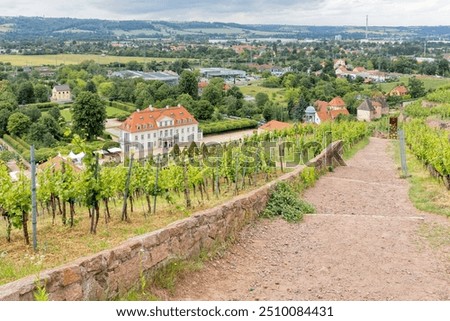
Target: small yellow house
point(61, 94)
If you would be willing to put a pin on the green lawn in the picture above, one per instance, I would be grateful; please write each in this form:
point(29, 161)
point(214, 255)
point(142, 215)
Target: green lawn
point(429, 83)
point(111, 112)
point(275, 94)
point(66, 114)
point(71, 59)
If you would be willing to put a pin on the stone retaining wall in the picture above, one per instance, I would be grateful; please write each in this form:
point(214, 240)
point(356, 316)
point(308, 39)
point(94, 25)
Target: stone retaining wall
point(112, 272)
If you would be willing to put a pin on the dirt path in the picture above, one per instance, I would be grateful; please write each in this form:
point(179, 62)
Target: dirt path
point(366, 242)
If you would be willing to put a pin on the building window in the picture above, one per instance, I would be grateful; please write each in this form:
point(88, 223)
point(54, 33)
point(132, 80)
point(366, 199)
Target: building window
point(136, 138)
point(148, 136)
point(142, 137)
point(154, 135)
point(171, 132)
point(188, 129)
point(182, 130)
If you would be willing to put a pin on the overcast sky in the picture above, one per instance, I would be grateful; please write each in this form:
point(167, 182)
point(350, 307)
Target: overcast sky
point(298, 12)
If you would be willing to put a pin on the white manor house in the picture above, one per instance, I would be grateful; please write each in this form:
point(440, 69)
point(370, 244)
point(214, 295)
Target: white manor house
point(153, 128)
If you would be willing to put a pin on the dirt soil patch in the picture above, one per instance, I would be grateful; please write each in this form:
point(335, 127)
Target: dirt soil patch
point(366, 242)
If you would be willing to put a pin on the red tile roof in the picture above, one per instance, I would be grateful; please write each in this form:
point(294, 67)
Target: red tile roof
point(275, 125)
point(337, 102)
point(321, 105)
point(147, 119)
point(400, 90)
point(325, 115)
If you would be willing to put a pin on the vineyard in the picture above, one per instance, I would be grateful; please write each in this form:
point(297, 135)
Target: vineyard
point(431, 146)
point(145, 195)
point(416, 110)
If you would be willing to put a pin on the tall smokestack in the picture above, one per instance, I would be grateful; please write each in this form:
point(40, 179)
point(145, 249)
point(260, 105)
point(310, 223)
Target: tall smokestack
point(367, 26)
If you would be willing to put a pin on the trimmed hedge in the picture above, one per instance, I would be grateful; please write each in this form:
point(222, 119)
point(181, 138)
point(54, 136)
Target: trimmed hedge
point(227, 125)
point(44, 106)
point(122, 106)
point(18, 146)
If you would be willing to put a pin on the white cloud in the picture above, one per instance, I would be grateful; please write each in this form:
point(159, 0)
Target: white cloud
point(313, 12)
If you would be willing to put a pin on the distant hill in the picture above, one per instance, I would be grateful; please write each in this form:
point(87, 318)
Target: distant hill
point(32, 28)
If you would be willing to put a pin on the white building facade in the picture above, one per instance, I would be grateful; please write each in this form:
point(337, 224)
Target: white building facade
point(158, 128)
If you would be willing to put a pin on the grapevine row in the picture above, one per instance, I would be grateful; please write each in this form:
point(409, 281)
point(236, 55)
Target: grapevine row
point(203, 171)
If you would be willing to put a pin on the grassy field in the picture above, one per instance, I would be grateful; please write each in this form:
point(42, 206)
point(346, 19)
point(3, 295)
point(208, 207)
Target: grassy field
point(71, 59)
point(428, 81)
point(66, 114)
point(275, 94)
point(111, 112)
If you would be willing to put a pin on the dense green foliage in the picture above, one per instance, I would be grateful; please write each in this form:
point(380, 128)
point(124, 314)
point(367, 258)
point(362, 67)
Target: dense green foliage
point(418, 111)
point(227, 125)
point(89, 115)
point(203, 169)
point(430, 145)
point(286, 203)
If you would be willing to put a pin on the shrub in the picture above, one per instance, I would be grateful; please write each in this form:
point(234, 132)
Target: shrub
point(286, 203)
point(229, 125)
point(308, 176)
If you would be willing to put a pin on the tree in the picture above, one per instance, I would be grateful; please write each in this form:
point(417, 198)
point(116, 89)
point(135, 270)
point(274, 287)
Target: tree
point(90, 86)
point(416, 87)
point(25, 93)
point(107, 89)
point(203, 110)
point(214, 91)
point(4, 116)
point(298, 111)
point(188, 84)
point(55, 113)
point(89, 115)
point(18, 124)
point(261, 99)
point(31, 111)
point(41, 93)
point(51, 125)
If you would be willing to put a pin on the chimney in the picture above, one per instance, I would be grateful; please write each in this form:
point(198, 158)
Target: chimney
point(179, 105)
point(150, 107)
point(167, 107)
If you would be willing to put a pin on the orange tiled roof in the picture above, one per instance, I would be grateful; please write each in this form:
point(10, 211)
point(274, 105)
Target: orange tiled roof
point(202, 84)
point(337, 102)
point(325, 115)
point(402, 90)
point(147, 119)
point(321, 105)
point(275, 125)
